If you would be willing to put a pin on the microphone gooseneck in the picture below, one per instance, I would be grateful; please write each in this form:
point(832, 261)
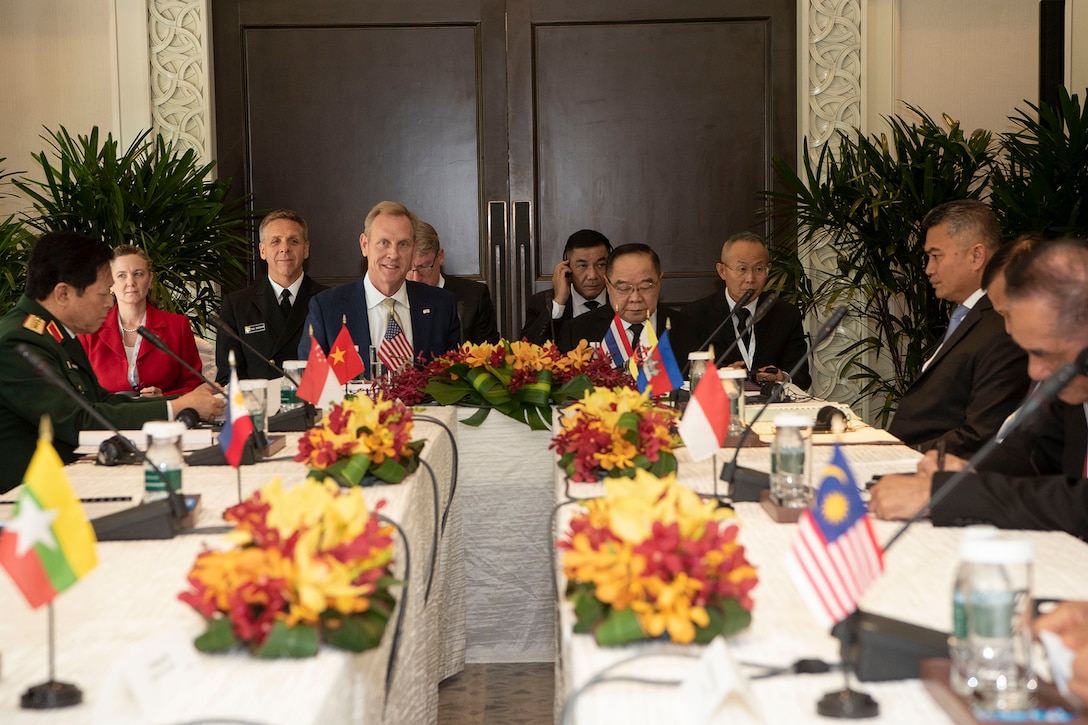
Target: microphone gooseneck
point(744, 300)
point(39, 366)
point(761, 312)
point(158, 342)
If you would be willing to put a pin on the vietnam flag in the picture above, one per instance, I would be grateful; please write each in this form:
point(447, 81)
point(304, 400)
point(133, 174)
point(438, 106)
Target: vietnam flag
point(706, 419)
point(315, 375)
point(237, 425)
point(344, 360)
point(48, 545)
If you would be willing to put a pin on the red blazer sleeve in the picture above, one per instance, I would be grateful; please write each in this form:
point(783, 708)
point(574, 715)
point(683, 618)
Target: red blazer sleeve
point(107, 355)
point(159, 369)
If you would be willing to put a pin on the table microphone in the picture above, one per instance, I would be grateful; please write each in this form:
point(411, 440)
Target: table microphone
point(746, 485)
point(299, 419)
point(744, 300)
point(158, 342)
point(761, 312)
point(154, 520)
point(880, 648)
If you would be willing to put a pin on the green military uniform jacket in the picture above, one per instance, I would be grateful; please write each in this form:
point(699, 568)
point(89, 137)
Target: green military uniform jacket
point(25, 396)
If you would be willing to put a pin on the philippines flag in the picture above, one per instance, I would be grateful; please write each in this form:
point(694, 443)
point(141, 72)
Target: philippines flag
point(706, 419)
point(658, 371)
point(616, 343)
point(835, 555)
point(237, 425)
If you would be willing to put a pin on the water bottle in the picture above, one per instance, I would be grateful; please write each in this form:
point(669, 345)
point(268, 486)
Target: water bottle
point(791, 456)
point(961, 678)
point(997, 613)
point(697, 363)
point(255, 394)
point(288, 390)
point(164, 454)
point(733, 382)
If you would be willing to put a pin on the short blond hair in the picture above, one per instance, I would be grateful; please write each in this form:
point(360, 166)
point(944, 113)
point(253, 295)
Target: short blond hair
point(427, 241)
point(392, 208)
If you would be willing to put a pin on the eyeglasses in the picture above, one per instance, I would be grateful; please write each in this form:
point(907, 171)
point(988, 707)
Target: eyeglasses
point(625, 288)
point(760, 270)
point(422, 267)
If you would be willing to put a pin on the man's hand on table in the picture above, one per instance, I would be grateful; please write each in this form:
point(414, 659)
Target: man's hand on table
point(203, 400)
point(898, 496)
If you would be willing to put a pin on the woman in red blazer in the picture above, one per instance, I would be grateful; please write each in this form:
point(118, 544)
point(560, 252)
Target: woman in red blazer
point(124, 361)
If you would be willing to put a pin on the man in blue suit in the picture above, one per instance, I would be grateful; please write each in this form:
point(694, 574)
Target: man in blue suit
point(397, 319)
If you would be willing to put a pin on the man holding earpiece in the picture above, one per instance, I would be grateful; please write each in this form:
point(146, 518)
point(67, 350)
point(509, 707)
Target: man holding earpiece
point(578, 286)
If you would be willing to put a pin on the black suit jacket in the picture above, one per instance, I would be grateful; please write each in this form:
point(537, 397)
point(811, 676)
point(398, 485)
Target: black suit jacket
point(1048, 502)
point(475, 309)
point(435, 328)
point(592, 326)
point(780, 335)
point(977, 378)
point(539, 324)
point(254, 313)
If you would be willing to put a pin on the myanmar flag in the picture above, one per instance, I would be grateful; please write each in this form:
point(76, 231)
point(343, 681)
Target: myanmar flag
point(48, 545)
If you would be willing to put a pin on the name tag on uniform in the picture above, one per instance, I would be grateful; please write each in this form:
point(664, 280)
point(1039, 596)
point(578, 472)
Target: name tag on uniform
point(426, 310)
point(253, 329)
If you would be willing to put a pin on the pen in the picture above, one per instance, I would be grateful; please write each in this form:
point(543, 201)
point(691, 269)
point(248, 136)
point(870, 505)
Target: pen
point(940, 455)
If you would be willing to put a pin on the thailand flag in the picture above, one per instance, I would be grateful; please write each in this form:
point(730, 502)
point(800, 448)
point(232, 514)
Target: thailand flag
point(616, 343)
point(706, 419)
point(835, 555)
point(237, 426)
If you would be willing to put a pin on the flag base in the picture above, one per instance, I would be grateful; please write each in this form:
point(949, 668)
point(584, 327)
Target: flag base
point(51, 695)
point(847, 704)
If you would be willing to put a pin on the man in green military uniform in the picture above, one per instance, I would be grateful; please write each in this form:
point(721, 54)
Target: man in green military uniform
point(67, 293)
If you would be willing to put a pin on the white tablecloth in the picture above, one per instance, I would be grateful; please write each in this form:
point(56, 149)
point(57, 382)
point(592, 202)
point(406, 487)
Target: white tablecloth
point(916, 588)
point(506, 473)
point(131, 600)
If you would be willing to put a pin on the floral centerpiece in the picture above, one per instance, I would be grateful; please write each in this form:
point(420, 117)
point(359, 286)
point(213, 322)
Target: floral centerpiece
point(614, 432)
point(650, 558)
point(362, 439)
point(519, 379)
point(309, 564)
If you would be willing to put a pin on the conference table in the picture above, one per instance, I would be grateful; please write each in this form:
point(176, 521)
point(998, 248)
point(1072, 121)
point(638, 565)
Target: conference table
point(123, 637)
point(916, 588)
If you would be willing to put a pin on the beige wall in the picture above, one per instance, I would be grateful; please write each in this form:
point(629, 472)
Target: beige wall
point(61, 61)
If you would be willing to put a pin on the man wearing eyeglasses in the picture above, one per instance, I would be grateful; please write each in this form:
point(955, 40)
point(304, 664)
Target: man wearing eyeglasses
point(776, 343)
point(577, 287)
point(633, 277)
point(474, 306)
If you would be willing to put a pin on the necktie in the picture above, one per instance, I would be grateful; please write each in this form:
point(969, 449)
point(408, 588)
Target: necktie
point(636, 333)
point(743, 316)
point(285, 302)
point(957, 317)
point(592, 305)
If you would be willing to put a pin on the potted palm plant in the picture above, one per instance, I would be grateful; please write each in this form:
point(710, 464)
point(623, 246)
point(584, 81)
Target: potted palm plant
point(149, 195)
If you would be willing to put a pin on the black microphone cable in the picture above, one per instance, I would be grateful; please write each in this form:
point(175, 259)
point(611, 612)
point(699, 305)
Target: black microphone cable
point(454, 465)
point(402, 605)
point(158, 342)
point(744, 300)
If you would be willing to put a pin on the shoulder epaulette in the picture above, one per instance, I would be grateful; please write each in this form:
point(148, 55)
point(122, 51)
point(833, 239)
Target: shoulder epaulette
point(34, 324)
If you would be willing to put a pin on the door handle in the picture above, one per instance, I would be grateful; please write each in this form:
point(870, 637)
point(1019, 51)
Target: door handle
point(497, 233)
point(522, 223)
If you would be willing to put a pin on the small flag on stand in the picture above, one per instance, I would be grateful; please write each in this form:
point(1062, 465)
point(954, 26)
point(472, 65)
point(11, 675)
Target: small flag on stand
point(394, 351)
point(237, 425)
point(616, 343)
point(706, 419)
point(343, 358)
point(658, 370)
point(48, 545)
point(315, 375)
point(835, 555)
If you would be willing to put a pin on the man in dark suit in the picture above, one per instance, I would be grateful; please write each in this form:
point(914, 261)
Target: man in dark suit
point(1047, 316)
point(67, 293)
point(269, 313)
point(475, 310)
point(633, 274)
point(777, 342)
point(578, 287)
point(400, 319)
point(977, 376)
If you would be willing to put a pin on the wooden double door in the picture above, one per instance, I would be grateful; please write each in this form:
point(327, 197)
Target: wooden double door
point(510, 124)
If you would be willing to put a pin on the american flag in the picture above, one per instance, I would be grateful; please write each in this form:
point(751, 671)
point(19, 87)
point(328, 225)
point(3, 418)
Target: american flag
point(394, 350)
point(835, 555)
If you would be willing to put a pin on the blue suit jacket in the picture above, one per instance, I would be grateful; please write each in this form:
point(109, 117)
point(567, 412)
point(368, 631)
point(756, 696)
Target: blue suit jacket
point(435, 328)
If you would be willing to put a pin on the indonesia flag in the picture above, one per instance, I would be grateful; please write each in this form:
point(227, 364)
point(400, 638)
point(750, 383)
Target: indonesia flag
point(315, 376)
point(706, 419)
point(616, 343)
point(237, 426)
point(835, 555)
